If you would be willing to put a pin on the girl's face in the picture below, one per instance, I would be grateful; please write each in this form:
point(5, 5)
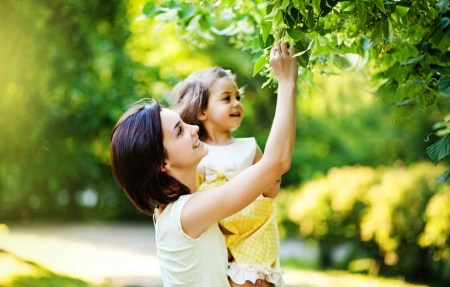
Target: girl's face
point(225, 110)
point(181, 142)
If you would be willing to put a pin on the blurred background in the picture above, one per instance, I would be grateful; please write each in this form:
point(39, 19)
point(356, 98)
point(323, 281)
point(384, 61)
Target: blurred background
point(360, 195)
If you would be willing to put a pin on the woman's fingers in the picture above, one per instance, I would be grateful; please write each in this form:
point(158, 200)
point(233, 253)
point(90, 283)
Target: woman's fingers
point(275, 49)
point(284, 48)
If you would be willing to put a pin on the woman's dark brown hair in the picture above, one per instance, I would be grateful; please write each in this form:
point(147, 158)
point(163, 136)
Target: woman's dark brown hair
point(138, 156)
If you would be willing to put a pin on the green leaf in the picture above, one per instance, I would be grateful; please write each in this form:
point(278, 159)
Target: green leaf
point(266, 26)
point(194, 23)
point(150, 8)
point(325, 11)
point(397, 72)
point(259, 64)
point(405, 102)
point(444, 22)
point(380, 5)
point(401, 10)
point(440, 69)
point(284, 4)
point(269, 9)
point(444, 86)
point(261, 41)
point(443, 177)
point(412, 61)
point(443, 5)
point(424, 46)
point(187, 11)
point(322, 40)
point(273, 12)
point(270, 41)
point(303, 46)
point(316, 4)
point(439, 149)
point(295, 34)
point(277, 19)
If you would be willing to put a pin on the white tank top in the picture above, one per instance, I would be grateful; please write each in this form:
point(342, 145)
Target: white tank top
point(185, 261)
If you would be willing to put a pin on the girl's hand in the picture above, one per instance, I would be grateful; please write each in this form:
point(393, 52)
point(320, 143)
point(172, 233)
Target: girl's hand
point(284, 66)
point(262, 283)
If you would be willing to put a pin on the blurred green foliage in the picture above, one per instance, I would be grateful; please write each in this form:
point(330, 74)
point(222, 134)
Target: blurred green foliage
point(69, 69)
point(64, 80)
point(396, 219)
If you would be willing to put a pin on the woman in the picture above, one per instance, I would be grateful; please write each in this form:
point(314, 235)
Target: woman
point(154, 158)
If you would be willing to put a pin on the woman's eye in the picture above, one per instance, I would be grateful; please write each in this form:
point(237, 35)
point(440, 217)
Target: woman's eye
point(180, 130)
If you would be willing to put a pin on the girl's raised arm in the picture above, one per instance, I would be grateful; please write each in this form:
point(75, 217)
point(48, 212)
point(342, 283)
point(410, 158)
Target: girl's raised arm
point(208, 207)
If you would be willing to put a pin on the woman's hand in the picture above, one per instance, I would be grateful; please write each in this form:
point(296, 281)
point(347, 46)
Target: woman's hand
point(284, 66)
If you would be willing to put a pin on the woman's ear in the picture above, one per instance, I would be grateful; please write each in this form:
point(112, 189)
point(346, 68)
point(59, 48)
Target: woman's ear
point(166, 167)
point(202, 116)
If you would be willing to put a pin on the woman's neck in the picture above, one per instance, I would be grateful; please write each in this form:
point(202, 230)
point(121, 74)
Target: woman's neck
point(185, 176)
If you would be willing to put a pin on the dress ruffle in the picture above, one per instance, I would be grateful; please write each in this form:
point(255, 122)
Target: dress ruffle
point(239, 273)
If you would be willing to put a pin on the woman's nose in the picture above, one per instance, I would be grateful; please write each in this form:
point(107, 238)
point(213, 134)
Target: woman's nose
point(194, 129)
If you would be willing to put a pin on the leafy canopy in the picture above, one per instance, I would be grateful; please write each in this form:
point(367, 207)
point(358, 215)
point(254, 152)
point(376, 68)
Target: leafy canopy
point(404, 44)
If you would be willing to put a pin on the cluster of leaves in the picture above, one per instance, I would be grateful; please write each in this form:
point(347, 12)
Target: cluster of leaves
point(366, 207)
point(408, 39)
point(403, 44)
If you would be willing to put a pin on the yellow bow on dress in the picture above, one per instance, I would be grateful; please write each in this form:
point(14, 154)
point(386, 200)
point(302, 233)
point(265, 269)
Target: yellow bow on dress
point(212, 172)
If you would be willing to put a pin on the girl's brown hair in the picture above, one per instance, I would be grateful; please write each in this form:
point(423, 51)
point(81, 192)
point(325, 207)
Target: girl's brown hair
point(190, 97)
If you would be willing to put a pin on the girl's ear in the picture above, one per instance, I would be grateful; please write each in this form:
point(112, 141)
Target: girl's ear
point(166, 167)
point(202, 116)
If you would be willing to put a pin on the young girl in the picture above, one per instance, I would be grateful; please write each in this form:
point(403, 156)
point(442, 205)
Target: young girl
point(154, 157)
point(211, 100)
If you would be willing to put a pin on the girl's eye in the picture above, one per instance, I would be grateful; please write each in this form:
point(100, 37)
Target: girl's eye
point(180, 130)
point(227, 98)
point(238, 98)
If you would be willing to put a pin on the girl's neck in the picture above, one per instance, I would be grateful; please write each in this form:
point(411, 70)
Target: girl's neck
point(218, 138)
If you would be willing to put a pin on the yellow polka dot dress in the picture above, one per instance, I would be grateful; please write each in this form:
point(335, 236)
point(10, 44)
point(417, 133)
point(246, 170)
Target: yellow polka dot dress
point(251, 235)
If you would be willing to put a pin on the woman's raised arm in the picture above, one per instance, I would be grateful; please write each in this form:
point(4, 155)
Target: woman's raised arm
point(208, 207)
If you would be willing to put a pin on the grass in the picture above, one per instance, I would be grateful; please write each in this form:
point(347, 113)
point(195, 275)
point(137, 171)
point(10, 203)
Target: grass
point(16, 272)
point(304, 273)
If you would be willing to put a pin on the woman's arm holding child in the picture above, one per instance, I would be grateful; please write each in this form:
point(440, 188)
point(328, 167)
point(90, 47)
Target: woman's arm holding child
point(273, 189)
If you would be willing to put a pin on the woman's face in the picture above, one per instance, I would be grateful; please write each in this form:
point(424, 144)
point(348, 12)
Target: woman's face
point(181, 142)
